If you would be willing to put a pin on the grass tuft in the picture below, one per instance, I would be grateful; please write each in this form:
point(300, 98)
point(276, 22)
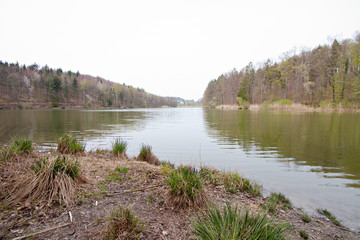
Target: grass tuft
point(147, 155)
point(329, 215)
point(305, 218)
point(69, 144)
point(119, 148)
point(122, 224)
point(186, 188)
point(233, 182)
point(230, 223)
point(303, 234)
point(52, 181)
point(21, 146)
point(277, 199)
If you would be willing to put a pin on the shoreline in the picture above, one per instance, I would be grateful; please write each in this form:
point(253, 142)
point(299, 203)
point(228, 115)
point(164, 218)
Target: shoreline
point(295, 107)
point(161, 220)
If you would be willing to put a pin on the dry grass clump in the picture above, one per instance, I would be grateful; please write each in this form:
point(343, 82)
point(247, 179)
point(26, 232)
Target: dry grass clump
point(186, 188)
point(69, 144)
point(49, 181)
point(147, 155)
point(122, 224)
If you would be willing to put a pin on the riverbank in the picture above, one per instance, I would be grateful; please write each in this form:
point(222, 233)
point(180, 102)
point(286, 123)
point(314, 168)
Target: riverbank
point(295, 107)
point(112, 180)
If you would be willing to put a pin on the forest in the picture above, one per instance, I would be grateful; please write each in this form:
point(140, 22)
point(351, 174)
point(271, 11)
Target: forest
point(33, 86)
point(325, 75)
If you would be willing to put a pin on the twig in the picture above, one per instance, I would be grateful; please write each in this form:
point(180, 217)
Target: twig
point(42, 231)
point(131, 191)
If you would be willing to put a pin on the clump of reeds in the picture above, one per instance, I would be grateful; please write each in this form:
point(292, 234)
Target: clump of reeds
point(329, 215)
point(123, 224)
point(69, 144)
point(147, 155)
point(119, 148)
point(277, 199)
point(231, 223)
point(18, 147)
point(232, 181)
point(186, 188)
point(49, 181)
point(21, 146)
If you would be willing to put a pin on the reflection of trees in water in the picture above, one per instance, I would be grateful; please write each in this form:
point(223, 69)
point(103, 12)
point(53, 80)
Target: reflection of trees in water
point(46, 125)
point(330, 142)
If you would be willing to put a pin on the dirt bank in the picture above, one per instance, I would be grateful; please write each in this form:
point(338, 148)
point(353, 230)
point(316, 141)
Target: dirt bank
point(142, 187)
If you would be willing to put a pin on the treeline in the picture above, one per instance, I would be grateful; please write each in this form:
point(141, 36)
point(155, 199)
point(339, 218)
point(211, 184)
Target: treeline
point(324, 75)
point(33, 86)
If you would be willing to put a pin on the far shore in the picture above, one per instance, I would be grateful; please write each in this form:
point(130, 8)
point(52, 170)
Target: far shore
point(295, 107)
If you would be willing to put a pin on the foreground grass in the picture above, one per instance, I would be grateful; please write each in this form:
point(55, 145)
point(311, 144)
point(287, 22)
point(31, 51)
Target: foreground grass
point(231, 223)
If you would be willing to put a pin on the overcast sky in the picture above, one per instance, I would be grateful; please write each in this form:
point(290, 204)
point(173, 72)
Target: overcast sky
point(169, 48)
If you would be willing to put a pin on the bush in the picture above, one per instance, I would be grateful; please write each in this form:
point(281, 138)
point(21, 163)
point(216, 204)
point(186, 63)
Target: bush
point(186, 188)
point(69, 144)
point(119, 148)
point(52, 181)
point(230, 223)
point(122, 224)
point(147, 155)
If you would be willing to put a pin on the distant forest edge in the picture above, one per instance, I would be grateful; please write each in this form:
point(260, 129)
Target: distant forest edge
point(43, 87)
point(325, 76)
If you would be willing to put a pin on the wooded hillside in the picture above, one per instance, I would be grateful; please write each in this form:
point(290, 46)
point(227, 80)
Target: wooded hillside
point(35, 87)
point(324, 75)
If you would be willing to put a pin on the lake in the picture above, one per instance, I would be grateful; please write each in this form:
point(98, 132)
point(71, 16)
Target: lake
point(313, 158)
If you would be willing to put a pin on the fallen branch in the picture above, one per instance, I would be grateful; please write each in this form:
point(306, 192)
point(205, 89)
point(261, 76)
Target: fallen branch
point(42, 231)
point(131, 191)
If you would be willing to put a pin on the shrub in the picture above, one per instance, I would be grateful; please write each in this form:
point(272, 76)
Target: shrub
point(69, 144)
point(230, 223)
point(186, 188)
point(329, 215)
point(147, 155)
point(122, 224)
point(51, 181)
point(119, 148)
point(265, 104)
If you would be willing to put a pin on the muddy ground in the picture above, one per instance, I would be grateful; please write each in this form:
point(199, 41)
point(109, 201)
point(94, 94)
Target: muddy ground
point(144, 190)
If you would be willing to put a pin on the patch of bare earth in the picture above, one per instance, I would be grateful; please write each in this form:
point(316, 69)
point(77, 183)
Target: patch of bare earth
point(143, 189)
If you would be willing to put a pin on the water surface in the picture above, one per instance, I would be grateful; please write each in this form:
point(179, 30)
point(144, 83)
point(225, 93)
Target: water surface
point(313, 158)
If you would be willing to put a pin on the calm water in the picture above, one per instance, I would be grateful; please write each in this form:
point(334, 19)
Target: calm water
point(313, 158)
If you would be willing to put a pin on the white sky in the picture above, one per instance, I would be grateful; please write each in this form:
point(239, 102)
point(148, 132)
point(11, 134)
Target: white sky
point(169, 48)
